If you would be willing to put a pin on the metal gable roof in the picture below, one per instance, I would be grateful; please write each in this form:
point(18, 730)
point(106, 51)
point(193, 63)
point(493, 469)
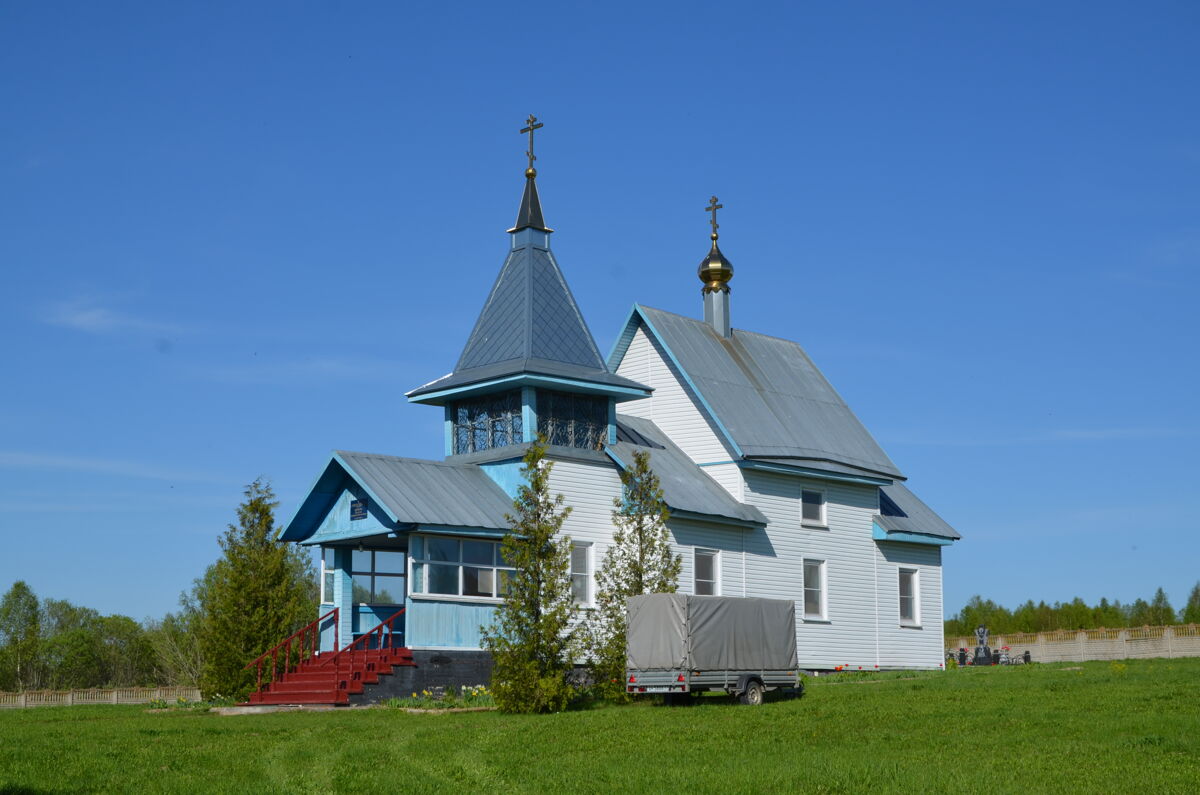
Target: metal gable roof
point(411, 491)
point(766, 394)
point(901, 511)
point(686, 487)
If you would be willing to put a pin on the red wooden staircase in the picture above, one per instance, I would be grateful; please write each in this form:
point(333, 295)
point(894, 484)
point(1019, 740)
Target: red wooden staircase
point(296, 673)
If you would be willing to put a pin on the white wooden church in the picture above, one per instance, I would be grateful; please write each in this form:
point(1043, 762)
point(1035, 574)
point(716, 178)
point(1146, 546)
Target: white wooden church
point(774, 486)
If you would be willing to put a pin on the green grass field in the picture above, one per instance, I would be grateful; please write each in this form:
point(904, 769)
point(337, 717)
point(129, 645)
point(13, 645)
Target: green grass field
point(1089, 727)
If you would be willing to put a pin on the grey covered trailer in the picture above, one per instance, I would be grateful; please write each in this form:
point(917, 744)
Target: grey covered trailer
point(678, 643)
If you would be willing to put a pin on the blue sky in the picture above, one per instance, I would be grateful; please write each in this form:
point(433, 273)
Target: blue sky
point(233, 235)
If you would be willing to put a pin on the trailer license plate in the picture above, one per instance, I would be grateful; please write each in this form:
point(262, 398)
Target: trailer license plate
point(658, 689)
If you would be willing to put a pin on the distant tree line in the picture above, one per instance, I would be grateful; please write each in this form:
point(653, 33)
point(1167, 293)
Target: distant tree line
point(1073, 615)
point(256, 593)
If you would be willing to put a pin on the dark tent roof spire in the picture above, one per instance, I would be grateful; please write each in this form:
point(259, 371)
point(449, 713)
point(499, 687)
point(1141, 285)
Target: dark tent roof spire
point(530, 214)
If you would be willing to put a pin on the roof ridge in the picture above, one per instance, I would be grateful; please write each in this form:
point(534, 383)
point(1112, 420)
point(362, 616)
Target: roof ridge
point(408, 459)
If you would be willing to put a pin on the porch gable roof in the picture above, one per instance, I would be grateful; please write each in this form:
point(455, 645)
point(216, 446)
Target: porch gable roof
point(409, 491)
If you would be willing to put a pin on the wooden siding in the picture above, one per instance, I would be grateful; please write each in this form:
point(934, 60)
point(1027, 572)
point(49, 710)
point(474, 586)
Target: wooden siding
point(671, 407)
point(774, 565)
point(729, 476)
point(687, 536)
point(430, 623)
point(910, 646)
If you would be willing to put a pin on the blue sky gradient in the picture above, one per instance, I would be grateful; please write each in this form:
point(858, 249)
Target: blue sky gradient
point(232, 237)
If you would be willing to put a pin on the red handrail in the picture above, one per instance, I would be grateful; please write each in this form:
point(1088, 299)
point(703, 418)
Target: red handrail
point(359, 643)
point(309, 639)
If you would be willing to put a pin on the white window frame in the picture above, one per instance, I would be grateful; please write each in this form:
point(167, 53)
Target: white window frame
point(824, 520)
point(373, 573)
point(327, 596)
point(414, 562)
point(588, 588)
point(823, 591)
point(715, 554)
point(915, 621)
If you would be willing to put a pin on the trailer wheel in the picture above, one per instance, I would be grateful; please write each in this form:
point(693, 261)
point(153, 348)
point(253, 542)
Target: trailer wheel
point(753, 694)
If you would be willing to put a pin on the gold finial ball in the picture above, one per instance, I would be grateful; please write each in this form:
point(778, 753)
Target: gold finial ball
point(713, 236)
point(531, 172)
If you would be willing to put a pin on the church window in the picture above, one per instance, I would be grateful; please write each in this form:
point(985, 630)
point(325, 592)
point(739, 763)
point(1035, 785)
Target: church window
point(705, 581)
point(458, 567)
point(377, 576)
point(571, 420)
point(483, 423)
point(581, 573)
point(910, 610)
point(812, 507)
point(814, 589)
point(327, 575)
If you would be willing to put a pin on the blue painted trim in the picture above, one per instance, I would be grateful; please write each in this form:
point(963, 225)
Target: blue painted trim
point(619, 393)
point(616, 459)
point(612, 422)
point(528, 414)
point(287, 526)
point(452, 530)
point(691, 384)
point(449, 415)
point(530, 238)
point(623, 341)
point(879, 534)
point(718, 463)
point(374, 497)
point(814, 473)
point(505, 474)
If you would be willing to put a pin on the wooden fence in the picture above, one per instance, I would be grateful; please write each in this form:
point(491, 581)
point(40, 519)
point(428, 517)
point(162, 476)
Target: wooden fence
point(1096, 644)
point(119, 695)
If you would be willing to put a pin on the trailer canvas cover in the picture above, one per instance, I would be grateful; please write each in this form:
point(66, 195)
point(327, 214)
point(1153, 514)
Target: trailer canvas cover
point(676, 631)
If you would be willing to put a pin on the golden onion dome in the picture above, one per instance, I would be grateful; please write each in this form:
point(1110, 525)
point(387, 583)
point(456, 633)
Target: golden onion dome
point(715, 271)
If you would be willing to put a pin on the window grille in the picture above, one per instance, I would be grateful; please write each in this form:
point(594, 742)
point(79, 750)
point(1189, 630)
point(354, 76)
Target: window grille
point(571, 420)
point(485, 422)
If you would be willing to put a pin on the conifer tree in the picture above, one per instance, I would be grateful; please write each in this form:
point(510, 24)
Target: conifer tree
point(530, 638)
point(1161, 613)
point(257, 593)
point(1191, 612)
point(639, 561)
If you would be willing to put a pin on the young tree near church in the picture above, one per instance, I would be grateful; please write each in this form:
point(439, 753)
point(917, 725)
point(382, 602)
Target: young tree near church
point(638, 562)
point(257, 593)
point(530, 639)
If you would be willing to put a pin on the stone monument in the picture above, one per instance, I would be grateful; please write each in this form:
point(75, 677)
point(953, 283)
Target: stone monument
point(983, 655)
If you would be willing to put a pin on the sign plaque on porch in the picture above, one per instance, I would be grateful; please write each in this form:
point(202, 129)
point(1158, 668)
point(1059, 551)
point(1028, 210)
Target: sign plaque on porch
point(358, 509)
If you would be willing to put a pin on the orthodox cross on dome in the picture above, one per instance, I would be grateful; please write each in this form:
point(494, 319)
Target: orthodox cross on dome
point(533, 124)
point(712, 208)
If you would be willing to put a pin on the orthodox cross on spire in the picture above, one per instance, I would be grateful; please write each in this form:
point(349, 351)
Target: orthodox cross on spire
point(712, 208)
point(533, 124)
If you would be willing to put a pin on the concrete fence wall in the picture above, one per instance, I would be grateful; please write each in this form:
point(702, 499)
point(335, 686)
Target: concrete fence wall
point(1096, 644)
point(120, 695)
